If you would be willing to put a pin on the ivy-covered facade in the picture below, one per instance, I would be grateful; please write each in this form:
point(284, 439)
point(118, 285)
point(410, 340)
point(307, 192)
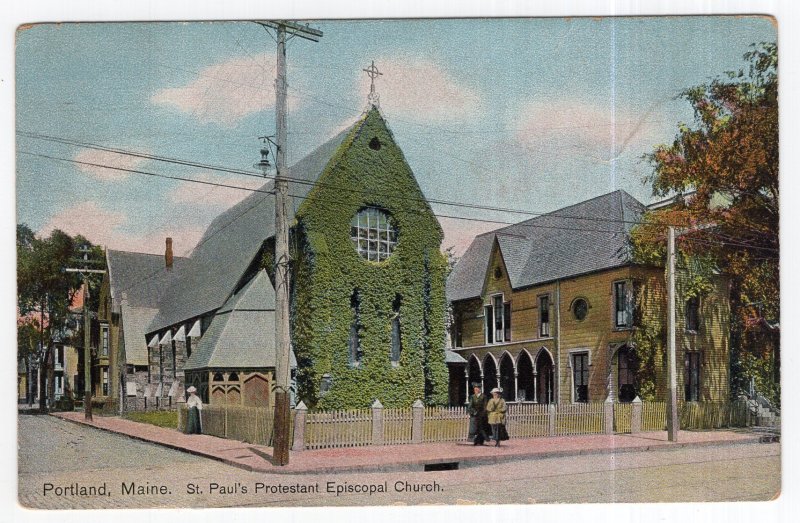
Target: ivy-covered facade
point(369, 294)
point(368, 301)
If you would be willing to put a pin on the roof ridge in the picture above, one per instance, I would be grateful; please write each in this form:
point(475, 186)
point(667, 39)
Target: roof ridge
point(553, 213)
point(143, 253)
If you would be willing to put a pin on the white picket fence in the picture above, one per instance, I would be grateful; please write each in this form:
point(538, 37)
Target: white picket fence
point(418, 424)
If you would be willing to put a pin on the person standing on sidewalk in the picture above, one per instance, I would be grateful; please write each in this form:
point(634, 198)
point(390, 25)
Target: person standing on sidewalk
point(496, 407)
point(477, 416)
point(193, 407)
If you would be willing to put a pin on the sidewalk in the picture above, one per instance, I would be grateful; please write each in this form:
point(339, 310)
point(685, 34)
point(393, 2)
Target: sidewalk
point(403, 457)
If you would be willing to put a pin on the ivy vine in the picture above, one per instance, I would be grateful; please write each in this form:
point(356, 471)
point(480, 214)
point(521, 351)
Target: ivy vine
point(328, 270)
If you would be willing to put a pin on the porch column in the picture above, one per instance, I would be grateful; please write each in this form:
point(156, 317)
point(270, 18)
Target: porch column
point(466, 379)
point(609, 384)
point(516, 384)
point(535, 387)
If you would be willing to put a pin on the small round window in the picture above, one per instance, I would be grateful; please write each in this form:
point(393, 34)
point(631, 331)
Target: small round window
point(373, 234)
point(580, 309)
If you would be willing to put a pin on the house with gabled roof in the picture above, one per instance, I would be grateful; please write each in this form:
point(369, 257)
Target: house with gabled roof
point(368, 287)
point(554, 309)
point(129, 295)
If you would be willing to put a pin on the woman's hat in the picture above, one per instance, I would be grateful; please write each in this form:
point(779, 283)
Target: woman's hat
point(496, 390)
point(191, 389)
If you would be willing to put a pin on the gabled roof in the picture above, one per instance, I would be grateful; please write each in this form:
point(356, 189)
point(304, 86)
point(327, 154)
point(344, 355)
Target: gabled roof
point(136, 283)
point(242, 333)
point(139, 278)
point(232, 241)
point(589, 236)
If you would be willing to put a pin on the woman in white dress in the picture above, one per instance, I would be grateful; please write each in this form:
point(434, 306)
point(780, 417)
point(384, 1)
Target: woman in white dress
point(193, 407)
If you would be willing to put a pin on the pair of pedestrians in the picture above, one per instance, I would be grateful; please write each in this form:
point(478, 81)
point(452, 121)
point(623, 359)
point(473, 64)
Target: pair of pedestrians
point(483, 413)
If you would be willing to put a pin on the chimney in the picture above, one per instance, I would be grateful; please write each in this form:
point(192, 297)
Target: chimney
point(168, 254)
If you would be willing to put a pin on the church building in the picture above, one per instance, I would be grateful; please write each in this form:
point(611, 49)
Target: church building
point(368, 299)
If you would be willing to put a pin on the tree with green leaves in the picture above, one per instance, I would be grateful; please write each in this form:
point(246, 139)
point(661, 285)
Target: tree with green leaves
point(726, 162)
point(45, 292)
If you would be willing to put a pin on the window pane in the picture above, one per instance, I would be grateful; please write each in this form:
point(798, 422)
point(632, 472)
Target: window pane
point(580, 368)
point(488, 321)
point(373, 225)
point(544, 316)
point(620, 309)
point(507, 321)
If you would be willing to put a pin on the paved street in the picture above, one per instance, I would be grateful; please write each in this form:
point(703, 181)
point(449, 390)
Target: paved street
point(65, 458)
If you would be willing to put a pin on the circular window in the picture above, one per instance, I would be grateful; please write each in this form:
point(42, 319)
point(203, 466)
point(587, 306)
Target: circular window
point(373, 233)
point(580, 308)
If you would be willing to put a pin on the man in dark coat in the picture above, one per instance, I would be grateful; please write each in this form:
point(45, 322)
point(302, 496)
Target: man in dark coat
point(477, 416)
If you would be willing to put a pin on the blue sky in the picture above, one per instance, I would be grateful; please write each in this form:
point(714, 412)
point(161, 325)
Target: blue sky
point(530, 114)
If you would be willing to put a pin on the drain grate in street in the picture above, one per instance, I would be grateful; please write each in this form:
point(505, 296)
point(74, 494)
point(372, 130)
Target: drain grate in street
point(432, 467)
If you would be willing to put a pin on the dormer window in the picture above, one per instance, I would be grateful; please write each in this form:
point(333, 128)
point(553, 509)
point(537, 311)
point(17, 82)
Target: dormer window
point(373, 234)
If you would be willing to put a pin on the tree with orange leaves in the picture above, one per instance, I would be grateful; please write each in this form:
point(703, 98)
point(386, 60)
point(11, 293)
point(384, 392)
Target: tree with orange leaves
point(727, 164)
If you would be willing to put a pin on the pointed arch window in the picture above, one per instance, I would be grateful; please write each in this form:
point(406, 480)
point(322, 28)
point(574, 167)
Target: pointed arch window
point(354, 342)
point(397, 343)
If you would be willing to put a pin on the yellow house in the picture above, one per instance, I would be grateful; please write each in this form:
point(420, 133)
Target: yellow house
point(552, 309)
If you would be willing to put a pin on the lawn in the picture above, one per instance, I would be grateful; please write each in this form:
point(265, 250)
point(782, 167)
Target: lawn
point(160, 418)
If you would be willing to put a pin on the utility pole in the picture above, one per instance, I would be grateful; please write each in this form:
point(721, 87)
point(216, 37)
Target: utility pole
point(87, 323)
point(282, 329)
point(672, 398)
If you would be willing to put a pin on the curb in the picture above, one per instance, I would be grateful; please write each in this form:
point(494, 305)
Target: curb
point(470, 461)
point(419, 464)
point(167, 445)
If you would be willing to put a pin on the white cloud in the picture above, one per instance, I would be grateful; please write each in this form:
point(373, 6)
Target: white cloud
point(226, 92)
point(190, 193)
point(111, 159)
point(421, 90)
point(104, 227)
point(581, 129)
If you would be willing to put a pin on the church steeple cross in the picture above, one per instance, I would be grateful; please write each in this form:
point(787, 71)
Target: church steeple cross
point(373, 73)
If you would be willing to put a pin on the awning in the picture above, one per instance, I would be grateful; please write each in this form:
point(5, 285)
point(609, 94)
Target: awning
point(194, 332)
point(153, 342)
point(167, 339)
point(180, 335)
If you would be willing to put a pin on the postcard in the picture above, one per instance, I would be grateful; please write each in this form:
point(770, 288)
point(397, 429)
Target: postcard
point(380, 262)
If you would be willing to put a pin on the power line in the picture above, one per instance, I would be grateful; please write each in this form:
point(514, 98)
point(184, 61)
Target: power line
point(329, 200)
point(136, 171)
point(302, 181)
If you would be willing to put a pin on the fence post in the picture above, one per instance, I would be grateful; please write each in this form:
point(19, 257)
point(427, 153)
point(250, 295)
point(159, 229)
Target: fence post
point(416, 421)
point(377, 423)
point(299, 427)
point(608, 415)
point(636, 415)
point(551, 422)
